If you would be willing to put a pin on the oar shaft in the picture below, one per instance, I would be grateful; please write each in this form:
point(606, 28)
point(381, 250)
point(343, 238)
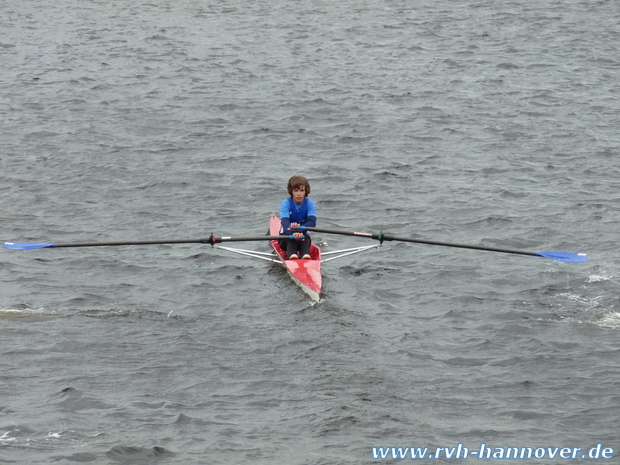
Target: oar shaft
point(208, 240)
point(384, 237)
point(463, 246)
point(119, 243)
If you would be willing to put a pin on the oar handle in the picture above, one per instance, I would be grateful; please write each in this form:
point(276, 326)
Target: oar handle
point(381, 237)
point(219, 239)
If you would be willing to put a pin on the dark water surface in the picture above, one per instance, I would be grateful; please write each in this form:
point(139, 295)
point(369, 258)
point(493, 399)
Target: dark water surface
point(483, 122)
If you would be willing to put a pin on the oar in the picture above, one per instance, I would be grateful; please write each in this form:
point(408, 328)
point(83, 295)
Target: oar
point(568, 257)
point(210, 240)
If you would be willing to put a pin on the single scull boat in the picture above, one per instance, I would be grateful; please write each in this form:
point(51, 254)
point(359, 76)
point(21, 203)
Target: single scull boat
point(306, 273)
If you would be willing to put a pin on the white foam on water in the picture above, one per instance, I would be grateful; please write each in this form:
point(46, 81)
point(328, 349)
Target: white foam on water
point(598, 278)
point(610, 320)
point(6, 438)
point(25, 311)
point(587, 302)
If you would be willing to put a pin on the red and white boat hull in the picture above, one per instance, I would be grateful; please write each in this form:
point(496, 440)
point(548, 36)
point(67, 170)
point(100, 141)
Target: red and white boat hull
point(305, 273)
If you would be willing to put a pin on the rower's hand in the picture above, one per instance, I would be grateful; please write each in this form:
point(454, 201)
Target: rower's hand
point(297, 235)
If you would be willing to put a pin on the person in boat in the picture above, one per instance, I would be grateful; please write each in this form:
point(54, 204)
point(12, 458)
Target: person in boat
point(297, 210)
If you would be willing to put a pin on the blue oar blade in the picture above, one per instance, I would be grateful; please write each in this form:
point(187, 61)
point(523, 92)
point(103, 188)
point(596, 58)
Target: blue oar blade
point(567, 257)
point(27, 245)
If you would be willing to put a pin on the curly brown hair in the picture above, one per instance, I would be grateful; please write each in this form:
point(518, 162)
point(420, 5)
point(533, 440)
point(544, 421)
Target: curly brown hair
point(296, 182)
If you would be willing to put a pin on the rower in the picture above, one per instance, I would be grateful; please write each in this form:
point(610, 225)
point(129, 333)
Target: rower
point(297, 210)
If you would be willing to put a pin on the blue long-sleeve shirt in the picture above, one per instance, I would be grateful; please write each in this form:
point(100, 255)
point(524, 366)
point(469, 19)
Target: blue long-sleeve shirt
point(304, 214)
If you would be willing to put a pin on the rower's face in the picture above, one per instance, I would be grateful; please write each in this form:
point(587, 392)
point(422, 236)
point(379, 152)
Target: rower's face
point(299, 194)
